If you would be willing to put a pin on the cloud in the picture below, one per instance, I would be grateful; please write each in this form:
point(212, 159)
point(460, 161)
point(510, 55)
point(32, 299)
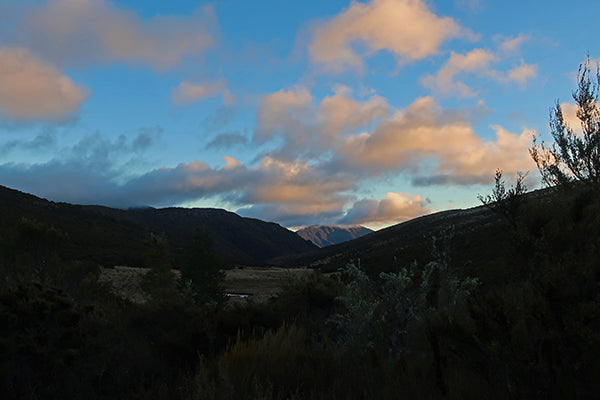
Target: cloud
point(282, 112)
point(295, 182)
point(95, 171)
point(226, 140)
point(444, 82)
point(219, 118)
point(339, 113)
point(145, 138)
point(406, 28)
point(295, 192)
point(44, 140)
point(423, 140)
point(395, 207)
point(31, 89)
point(308, 129)
point(76, 32)
point(520, 74)
point(426, 139)
point(569, 111)
point(478, 61)
point(512, 44)
point(188, 92)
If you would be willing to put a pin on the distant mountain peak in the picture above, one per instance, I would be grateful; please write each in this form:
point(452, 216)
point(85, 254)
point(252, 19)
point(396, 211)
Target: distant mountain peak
point(327, 235)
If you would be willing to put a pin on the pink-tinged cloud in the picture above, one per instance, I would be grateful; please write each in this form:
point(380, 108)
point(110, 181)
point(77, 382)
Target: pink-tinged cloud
point(307, 128)
point(340, 113)
point(31, 89)
point(406, 28)
point(478, 61)
point(188, 92)
point(512, 45)
point(569, 112)
point(428, 141)
point(521, 74)
point(445, 81)
point(295, 182)
point(88, 31)
point(273, 190)
point(282, 112)
point(394, 208)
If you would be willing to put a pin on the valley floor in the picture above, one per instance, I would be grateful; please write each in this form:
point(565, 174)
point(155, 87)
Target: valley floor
point(258, 284)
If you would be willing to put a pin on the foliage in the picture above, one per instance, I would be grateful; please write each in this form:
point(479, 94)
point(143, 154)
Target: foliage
point(573, 156)
point(202, 272)
point(40, 341)
point(36, 247)
point(272, 366)
point(505, 201)
point(381, 314)
point(539, 323)
point(159, 282)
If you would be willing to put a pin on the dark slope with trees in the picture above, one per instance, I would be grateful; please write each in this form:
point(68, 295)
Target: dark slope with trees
point(324, 236)
point(239, 238)
point(112, 236)
point(411, 240)
point(479, 238)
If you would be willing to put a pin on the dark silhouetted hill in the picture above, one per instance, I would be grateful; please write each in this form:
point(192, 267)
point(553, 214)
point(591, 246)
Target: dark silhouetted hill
point(479, 239)
point(324, 236)
point(112, 236)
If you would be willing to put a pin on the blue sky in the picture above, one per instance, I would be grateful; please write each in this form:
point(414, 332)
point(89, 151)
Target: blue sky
point(301, 113)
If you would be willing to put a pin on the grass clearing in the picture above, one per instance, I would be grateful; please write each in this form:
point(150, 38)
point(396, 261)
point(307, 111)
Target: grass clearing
point(258, 283)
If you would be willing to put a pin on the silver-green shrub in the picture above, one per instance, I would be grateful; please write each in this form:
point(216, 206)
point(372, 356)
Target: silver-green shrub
point(381, 313)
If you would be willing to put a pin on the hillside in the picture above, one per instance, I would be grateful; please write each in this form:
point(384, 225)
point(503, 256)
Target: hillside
point(477, 238)
point(324, 236)
point(407, 241)
point(112, 236)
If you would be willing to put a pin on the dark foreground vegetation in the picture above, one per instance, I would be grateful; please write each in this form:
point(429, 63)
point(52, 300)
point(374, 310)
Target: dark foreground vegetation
point(524, 323)
point(525, 328)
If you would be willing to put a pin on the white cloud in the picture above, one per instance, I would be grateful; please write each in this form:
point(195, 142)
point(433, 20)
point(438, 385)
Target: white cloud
point(31, 89)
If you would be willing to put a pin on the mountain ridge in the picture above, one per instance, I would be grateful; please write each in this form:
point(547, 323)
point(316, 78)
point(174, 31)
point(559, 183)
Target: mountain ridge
point(327, 235)
point(111, 236)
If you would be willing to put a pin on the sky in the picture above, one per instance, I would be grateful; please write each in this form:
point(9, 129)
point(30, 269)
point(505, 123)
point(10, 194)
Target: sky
point(301, 113)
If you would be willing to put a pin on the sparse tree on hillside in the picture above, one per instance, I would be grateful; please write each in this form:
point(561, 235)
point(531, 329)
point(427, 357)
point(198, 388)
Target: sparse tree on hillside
point(505, 201)
point(573, 156)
